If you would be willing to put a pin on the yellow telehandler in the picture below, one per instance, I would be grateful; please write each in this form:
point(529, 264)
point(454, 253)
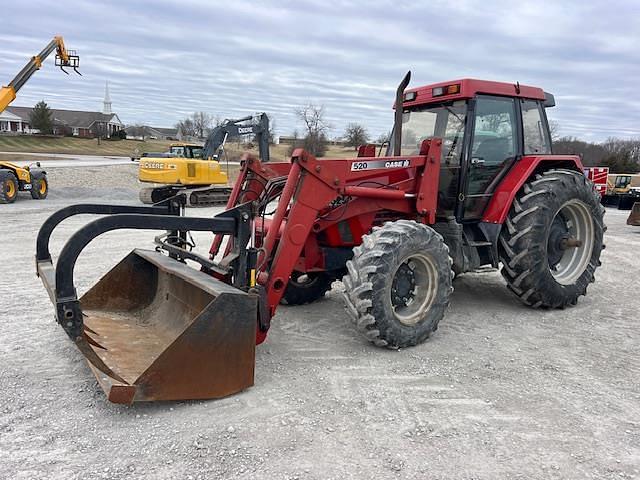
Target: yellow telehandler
point(14, 178)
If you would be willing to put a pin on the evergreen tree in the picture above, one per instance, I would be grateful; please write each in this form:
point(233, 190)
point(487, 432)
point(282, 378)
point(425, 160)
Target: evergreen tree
point(40, 118)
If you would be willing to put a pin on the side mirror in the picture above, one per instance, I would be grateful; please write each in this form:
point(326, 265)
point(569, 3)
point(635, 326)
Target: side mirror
point(38, 164)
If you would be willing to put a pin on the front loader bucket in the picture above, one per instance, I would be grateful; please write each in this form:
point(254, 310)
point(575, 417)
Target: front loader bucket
point(169, 331)
point(634, 216)
point(155, 328)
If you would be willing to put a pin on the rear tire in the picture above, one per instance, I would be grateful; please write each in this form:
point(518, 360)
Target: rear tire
point(8, 187)
point(398, 284)
point(39, 187)
point(551, 242)
point(306, 287)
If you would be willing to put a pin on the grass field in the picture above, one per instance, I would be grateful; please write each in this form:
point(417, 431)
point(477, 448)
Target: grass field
point(125, 148)
point(79, 146)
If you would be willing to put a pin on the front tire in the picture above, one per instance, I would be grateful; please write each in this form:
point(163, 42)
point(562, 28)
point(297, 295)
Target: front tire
point(8, 187)
point(306, 288)
point(551, 242)
point(398, 284)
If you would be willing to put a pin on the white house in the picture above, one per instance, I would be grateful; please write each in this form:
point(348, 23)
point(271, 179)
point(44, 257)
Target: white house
point(10, 122)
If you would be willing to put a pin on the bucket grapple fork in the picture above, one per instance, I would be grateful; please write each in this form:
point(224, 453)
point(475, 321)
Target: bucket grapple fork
point(154, 328)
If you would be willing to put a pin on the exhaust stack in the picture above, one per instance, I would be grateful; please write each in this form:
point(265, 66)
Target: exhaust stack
point(397, 124)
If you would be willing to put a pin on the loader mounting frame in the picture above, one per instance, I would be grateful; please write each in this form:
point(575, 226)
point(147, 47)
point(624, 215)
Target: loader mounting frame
point(305, 187)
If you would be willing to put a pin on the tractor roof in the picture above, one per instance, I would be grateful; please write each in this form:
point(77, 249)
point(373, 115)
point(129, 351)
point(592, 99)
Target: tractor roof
point(468, 88)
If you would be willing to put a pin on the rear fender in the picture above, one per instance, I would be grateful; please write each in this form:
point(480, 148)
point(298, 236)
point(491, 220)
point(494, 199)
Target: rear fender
point(520, 173)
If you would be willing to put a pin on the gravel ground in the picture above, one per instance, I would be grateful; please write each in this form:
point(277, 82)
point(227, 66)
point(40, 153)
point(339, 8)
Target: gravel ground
point(500, 391)
point(111, 182)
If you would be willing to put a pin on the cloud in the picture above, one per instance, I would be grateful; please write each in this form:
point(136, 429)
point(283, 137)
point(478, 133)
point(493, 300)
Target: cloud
point(166, 59)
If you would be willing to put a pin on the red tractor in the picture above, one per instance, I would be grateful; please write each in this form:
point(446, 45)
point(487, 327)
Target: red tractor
point(469, 180)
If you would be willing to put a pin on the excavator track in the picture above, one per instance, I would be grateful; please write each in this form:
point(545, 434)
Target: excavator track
point(196, 197)
point(209, 196)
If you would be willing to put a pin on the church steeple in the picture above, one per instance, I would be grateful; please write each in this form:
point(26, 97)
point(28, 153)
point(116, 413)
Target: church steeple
point(107, 99)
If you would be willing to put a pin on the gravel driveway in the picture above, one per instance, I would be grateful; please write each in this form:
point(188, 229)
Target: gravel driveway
point(500, 391)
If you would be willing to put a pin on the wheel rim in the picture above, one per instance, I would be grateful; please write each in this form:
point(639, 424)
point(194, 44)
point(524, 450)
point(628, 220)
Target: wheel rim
point(570, 242)
point(414, 288)
point(10, 188)
point(43, 187)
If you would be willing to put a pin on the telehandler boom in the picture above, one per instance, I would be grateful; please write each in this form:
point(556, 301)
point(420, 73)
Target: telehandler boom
point(469, 180)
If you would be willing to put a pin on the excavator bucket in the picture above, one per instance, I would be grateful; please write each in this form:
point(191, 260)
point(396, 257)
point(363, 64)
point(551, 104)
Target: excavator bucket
point(154, 328)
point(634, 216)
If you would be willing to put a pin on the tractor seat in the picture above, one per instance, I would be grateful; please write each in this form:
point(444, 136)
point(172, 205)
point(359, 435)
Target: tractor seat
point(494, 150)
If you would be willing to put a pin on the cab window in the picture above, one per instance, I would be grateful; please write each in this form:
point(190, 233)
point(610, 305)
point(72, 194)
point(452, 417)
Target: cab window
point(494, 135)
point(177, 151)
point(536, 139)
point(622, 181)
point(493, 145)
point(444, 121)
point(196, 152)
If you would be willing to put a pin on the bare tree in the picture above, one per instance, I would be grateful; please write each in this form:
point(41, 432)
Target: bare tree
point(138, 130)
point(356, 135)
point(620, 155)
point(272, 129)
point(623, 155)
point(296, 142)
point(186, 127)
point(384, 138)
point(316, 128)
point(201, 123)
point(554, 130)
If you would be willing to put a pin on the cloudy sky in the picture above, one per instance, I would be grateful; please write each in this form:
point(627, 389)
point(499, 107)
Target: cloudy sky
point(166, 59)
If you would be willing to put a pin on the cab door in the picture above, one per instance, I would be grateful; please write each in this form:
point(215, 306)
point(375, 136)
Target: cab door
point(494, 146)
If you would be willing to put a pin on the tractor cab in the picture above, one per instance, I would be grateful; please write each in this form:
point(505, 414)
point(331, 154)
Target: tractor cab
point(485, 127)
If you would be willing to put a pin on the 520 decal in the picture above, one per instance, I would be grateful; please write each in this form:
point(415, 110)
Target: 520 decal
point(377, 164)
point(359, 166)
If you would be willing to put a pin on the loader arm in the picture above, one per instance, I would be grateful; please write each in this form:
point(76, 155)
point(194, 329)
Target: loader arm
point(311, 185)
point(64, 58)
